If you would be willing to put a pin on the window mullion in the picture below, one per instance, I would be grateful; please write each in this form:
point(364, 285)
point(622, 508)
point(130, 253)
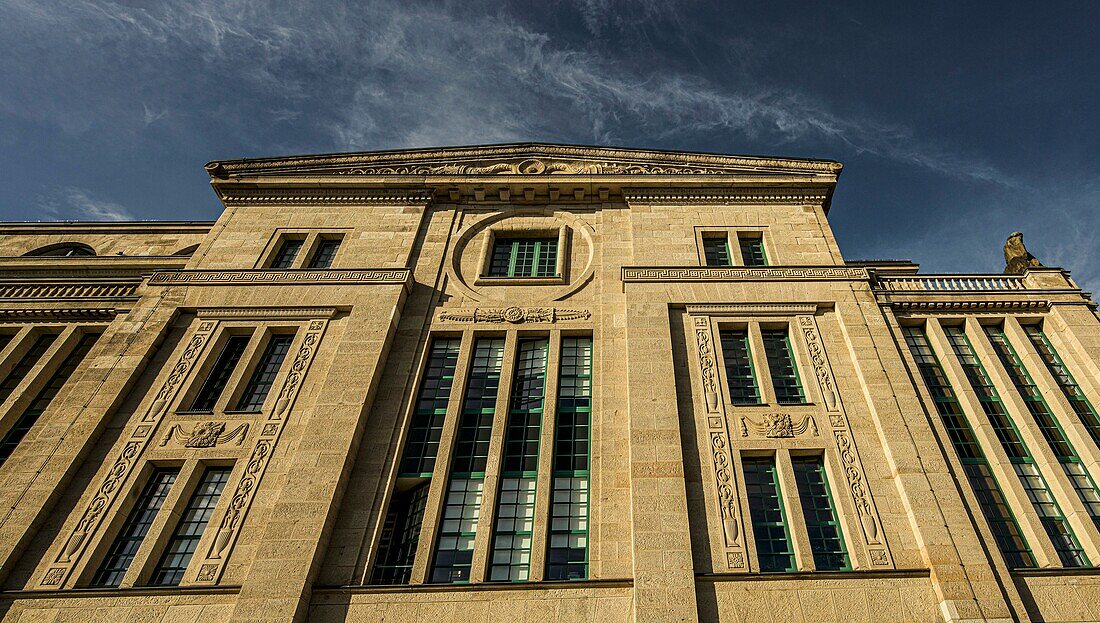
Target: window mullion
point(760, 365)
point(545, 477)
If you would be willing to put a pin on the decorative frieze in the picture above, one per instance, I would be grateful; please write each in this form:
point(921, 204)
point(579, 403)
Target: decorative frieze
point(356, 276)
point(60, 313)
point(643, 274)
point(751, 309)
point(29, 290)
point(204, 435)
point(970, 307)
point(779, 425)
point(514, 315)
point(687, 197)
point(264, 313)
point(727, 495)
point(821, 364)
point(707, 363)
point(233, 197)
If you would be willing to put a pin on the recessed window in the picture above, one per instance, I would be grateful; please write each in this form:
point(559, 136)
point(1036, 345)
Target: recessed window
point(255, 393)
point(769, 521)
point(41, 344)
point(216, 381)
point(192, 523)
point(324, 253)
point(64, 249)
point(524, 257)
point(785, 382)
point(737, 357)
point(822, 525)
point(138, 522)
point(716, 250)
point(286, 253)
point(752, 249)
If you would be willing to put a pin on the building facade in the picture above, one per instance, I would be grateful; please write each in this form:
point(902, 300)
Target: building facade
point(535, 383)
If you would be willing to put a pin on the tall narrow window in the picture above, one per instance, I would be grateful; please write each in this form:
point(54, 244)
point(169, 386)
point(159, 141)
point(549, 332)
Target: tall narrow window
point(462, 504)
point(1055, 437)
point(752, 250)
point(567, 555)
point(524, 257)
point(785, 382)
point(255, 392)
point(1076, 397)
point(737, 358)
point(177, 554)
point(822, 525)
point(286, 253)
point(1006, 532)
point(515, 523)
point(325, 253)
point(218, 377)
point(400, 536)
point(422, 442)
point(1050, 515)
point(769, 521)
point(19, 372)
point(716, 250)
point(126, 544)
point(45, 396)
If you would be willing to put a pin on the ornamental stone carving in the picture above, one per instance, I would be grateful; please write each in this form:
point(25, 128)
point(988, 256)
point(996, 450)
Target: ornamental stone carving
point(779, 425)
point(515, 315)
point(206, 435)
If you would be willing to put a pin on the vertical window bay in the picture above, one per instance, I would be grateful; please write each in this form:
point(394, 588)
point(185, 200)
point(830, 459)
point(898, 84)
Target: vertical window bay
point(769, 521)
point(567, 553)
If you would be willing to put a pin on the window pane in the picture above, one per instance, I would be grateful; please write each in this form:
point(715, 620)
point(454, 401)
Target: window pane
point(326, 251)
point(133, 531)
point(219, 374)
point(738, 364)
point(422, 442)
point(400, 536)
point(177, 554)
point(777, 348)
point(288, 250)
point(567, 551)
point(255, 393)
point(1050, 515)
point(524, 257)
point(752, 250)
point(19, 372)
point(716, 250)
point(1077, 400)
point(822, 525)
point(769, 522)
point(1006, 532)
point(45, 396)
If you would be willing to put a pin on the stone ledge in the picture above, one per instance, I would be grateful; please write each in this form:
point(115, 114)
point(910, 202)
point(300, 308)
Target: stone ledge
point(133, 591)
point(301, 276)
point(647, 274)
point(481, 586)
point(857, 574)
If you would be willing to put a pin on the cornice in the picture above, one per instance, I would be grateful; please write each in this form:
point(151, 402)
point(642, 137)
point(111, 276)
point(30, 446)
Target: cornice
point(282, 313)
point(687, 196)
point(969, 306)
point(350, 276)
point(237, 197)
point(68, 290)
point(520, 159)
point(657, 274)
point(60, 313)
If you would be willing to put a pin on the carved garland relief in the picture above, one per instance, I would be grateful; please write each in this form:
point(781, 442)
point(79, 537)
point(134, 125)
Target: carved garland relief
point(721, 461)
point(123, 465)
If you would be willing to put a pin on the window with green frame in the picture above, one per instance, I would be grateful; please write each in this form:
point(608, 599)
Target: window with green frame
point(1023, 463)
point(400, 535)
point(716, 250)
point(752, 249)
point(822, 525)
point(567, 553)
point(510, 559)
point(1076, 397)
point(422, 441)
point(737, 361)
point(769, 521)
point(524, 257)
point(454, 549)
point(1052, 431)
point(991, 500)
point(784, 373)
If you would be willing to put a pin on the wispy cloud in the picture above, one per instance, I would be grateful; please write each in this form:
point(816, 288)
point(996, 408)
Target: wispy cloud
point(391, 74)
point(80, 204)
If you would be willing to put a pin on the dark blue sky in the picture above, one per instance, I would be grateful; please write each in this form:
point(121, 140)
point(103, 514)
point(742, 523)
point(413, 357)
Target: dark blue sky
point(957, 122)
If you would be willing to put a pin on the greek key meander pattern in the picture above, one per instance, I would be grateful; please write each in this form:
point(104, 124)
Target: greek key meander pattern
point(124, 463)
point(705, 273)
point(364, 276)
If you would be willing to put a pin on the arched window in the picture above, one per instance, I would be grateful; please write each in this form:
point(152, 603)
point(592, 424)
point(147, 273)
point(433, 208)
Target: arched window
point(63, 249)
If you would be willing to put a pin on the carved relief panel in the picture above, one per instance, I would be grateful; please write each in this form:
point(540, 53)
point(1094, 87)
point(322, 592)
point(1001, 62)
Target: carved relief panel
point(816, 424)
point(167, 429)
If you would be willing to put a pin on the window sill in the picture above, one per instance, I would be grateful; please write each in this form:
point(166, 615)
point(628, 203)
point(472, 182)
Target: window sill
point(556, 280)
